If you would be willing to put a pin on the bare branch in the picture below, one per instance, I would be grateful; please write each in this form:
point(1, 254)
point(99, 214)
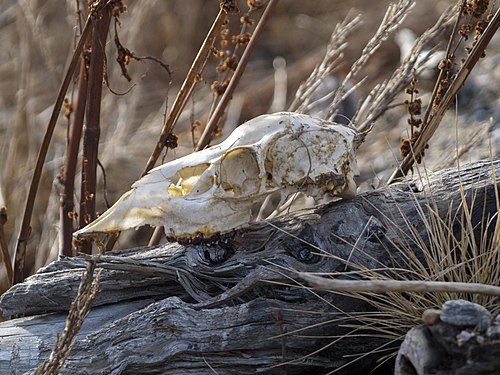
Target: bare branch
point(385, 286)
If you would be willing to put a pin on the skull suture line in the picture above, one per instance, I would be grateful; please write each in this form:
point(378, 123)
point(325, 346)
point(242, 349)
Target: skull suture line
point(213, 191)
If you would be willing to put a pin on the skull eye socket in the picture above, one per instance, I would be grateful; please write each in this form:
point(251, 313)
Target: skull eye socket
point(240, 173)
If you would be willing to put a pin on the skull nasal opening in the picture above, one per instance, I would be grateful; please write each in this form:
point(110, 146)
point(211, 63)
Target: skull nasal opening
point(189, 179)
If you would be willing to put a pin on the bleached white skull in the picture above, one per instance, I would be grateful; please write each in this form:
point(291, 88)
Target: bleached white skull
point(213, 191)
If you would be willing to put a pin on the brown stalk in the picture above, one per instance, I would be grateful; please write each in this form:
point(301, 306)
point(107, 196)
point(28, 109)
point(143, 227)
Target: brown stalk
point(92, 129)
point(24, 234)
point(429, 128)
point(228, 94)
point(67, 203)
point(5, 256)
point(447, 55)
point(186, 89)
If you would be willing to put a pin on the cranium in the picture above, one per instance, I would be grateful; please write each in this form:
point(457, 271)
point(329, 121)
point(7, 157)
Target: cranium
point(213, 191)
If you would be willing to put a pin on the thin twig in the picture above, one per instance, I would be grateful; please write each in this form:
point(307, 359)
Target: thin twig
point(385, 286)
point(447, 55)
point(156, 237)
point(5, 256)
point(25, 230)
point(228, 94)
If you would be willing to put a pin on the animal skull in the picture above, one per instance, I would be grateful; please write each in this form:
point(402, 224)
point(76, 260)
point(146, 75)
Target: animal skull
point(213, 191)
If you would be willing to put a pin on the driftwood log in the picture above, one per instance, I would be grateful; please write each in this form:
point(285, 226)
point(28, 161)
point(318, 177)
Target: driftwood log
point(237, 305)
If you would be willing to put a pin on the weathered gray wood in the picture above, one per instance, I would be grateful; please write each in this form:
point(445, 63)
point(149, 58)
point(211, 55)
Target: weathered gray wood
point(243, 339)
point(223, 296)
point(25, 342)
point(54, 287)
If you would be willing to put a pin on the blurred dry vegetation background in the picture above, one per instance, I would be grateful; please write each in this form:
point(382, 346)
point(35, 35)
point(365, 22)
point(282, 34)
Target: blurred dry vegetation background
point(38, 37)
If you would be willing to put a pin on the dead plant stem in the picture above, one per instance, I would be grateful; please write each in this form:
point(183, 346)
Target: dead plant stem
point(228, 94)
point(67, 203)
point(3, 246)
point(80, 307)
point(447, 55)
point(24, 233)
point(186, 89)
point(386, 286)
point(91, 132)
point(429, 128)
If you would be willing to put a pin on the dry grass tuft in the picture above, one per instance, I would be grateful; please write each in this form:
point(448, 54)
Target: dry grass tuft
point(450, 255)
